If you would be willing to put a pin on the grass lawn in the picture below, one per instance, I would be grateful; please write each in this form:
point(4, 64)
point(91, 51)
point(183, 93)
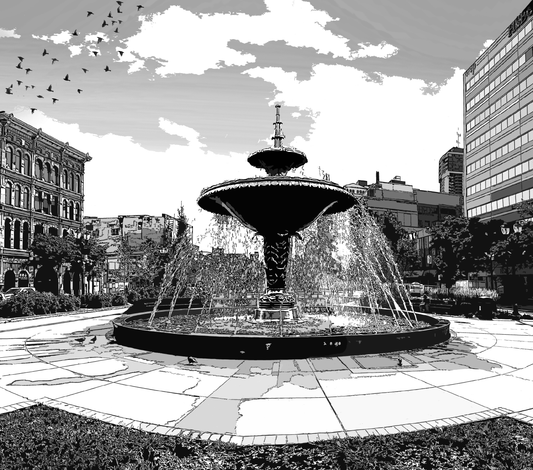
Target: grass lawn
point(41, 437)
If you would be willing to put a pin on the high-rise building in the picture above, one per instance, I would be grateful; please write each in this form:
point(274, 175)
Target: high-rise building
point(42, 186)
point(498, 124)
point(451, 171)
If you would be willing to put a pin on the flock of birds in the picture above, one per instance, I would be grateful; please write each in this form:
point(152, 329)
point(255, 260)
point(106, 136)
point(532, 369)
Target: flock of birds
point(108, 21)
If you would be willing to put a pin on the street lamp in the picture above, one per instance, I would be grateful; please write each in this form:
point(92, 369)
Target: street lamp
point(84, 238)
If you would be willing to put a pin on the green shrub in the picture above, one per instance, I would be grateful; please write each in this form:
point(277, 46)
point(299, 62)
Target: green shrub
point(118, 300)
point(68, 303)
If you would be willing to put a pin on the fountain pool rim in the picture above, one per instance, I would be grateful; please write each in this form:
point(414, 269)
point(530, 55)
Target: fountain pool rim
point(262, 347)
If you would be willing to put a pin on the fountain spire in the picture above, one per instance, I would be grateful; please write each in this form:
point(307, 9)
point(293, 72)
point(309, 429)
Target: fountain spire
point(278, 133)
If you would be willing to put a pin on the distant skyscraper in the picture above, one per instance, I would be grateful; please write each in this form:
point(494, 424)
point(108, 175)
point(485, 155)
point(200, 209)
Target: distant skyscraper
point(451, 171)
point(498, 124)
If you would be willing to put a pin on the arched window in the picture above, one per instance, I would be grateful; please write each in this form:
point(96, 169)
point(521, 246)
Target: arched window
point(26, 199)
point(9, 158)
point(18, 161)
point(9, 189)
point(47, 172)
point(27, 166)
point(65, 208)
point(65, 233)
point(71, 211)
point(78, 184)
point(38, 169)
point(71, 185)
point(25, 236)
point(52, 231)
point(17, 195)
point(16, 235)
point(77, 212)
point(7, 234)
point(55, 208)
point(55, 176)
point(65, 179)
point(39, 229)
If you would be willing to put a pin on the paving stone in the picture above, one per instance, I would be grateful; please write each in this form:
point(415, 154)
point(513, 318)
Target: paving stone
point(205, 436)
point(225, 438)
point(281, 439)
point(247, 440)
point(323, 436)
point(215, 437)
point(236, 440)
point(258, 440)
point(270, 440)
point(292, 439)
point(382, 431)
point(313, 437)
point(410, 427)
point(362, 433)
point(352, 434)
point(391, 430)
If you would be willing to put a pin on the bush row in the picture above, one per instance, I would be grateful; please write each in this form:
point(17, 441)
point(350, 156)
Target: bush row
point(28, 303)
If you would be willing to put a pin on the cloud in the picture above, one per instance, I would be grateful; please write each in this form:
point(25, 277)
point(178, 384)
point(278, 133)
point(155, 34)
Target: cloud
point(9, 33)
point(187, 133)
point(59, 38)
point(486, 45)
point(192, 44)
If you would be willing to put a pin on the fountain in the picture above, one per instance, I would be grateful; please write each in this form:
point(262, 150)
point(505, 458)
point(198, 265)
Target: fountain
point(278, 207)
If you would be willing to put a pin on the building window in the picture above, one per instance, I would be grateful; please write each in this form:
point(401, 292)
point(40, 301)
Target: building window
point(26, 199)
point(65, 179)
point(9, 189)
point(47, 172)
point(65, 233)
point(16, 235)
point(39, 229)
point(77, 212)
point(9, 158)
point(65, 209)
point(55, 176)
point(46, 203)
point(71, 184)
point(71, 211)
point(25, 236)
point(7, 234)
point(27, 167)
point(55, 206)
point(114, 231)
point(39, 169)
point(78, 184)
point(52, 231)
point(17, 195)
point(18, 161)
point(38, 202)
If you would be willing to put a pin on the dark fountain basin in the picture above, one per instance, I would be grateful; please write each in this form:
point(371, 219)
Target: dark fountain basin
point(219, 346)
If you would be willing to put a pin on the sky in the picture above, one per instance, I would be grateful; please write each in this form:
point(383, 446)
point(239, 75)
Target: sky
point(364, 86)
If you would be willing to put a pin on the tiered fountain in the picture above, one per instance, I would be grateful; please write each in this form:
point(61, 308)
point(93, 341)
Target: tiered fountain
point(277, 207)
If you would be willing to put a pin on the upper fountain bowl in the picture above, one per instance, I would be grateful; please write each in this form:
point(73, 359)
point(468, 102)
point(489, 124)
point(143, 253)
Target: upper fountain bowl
point(277, 160)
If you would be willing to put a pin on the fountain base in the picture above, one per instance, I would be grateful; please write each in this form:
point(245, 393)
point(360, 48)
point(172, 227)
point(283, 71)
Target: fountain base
point(273, 314)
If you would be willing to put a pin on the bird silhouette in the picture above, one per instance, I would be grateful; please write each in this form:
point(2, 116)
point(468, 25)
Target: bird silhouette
point(75, 33)
point(50, 89)
point(400, 362)
point(33, 110)
point(19, 65)
point(107, 69)
point(119, 10)
point(19, 82)
point(8, 91)
point(120, 3)
point(119, 21)
point(121, 53)
point(110, 15)
point(139, 7)
point(54, 100)
point(40, 96)
point(85, 70)
point(99, 39)
point(113, 22)
point(20, 58)
point(89, 13)
point(79, 90)
point(79, 340)
point(192, 360)
point(93, 340)
point(45, 53)
point(11, 86)
point(116, 30)
point(66, 78)
point(54, 60)
point(32, 87)
point(28, 71)
point(27, 86)
point(104, 24)
point(95, 53)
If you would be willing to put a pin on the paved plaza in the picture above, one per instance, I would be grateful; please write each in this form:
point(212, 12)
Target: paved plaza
point(68, 362)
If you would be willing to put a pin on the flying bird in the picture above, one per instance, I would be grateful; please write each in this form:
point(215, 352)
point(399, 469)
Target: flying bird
point(120, 3)
point(10, 86)
point(8, 91)
point(45, 53)
point(89, 13)
point(110, 15)
point(66, 78)
point(33, 110)
point(32, 87)
point(27, 86)
point(107, 69)
point(192, 360)
point(19, 82)
point(28, 71)
point(19, 65)
point(85, 70)
point(20, 58)
point(99, 39)
point(80, 340)
point(113, 22)
point(95, 53)
point(139, 7)
point(79, 90)
point(54, 60)
point(121, 53)
point(400, 362)
point(75, 33)
point(116, 30)
point(119, 21)
point(50, 89)
point(104, 24)
point(54, 100)
point(40, 96)
point(119, 10)
point(93, 340)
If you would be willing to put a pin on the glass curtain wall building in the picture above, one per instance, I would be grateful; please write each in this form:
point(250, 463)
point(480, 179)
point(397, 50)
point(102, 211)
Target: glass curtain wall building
point(498, 124)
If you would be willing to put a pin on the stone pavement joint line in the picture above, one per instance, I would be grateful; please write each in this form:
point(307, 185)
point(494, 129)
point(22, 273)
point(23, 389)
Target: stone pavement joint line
point(267, 402)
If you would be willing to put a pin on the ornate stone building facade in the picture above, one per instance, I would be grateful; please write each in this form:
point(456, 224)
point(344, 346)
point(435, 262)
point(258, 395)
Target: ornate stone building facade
point(42, 187)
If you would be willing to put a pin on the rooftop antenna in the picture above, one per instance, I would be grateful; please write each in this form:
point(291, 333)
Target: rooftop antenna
point(458, 137)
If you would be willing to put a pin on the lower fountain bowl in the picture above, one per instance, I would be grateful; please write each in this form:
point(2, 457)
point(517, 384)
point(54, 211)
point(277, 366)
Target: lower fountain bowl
point(218, 346)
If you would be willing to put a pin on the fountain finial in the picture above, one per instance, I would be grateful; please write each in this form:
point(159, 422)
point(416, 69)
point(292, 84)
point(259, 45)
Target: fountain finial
point(278, 133)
